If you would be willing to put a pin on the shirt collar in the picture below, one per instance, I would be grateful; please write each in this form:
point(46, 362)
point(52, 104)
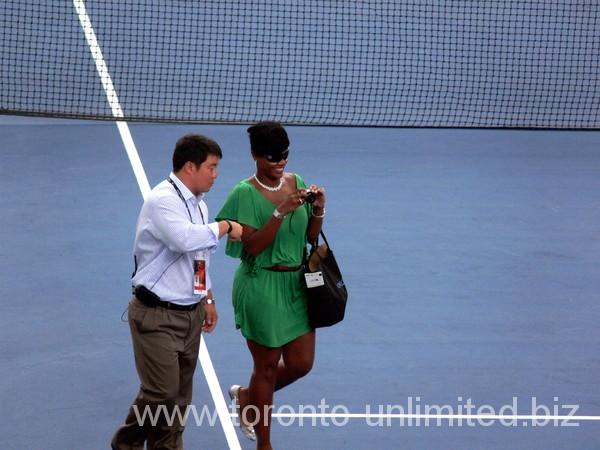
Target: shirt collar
point(187, 194)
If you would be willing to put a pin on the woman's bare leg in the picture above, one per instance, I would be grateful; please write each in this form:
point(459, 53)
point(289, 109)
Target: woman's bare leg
point(297, 360)
point(260, 391)
point(274, 368)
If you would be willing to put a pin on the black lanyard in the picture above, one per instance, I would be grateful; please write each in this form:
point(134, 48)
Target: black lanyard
point(185, 203)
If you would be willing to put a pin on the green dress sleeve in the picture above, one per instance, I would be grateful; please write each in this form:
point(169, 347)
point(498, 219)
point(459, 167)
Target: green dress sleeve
point(239, 207)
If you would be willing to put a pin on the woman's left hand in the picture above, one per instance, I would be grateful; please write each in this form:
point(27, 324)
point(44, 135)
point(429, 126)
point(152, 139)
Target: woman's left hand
point(319, 194)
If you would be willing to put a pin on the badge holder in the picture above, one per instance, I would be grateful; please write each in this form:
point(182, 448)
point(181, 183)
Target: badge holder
point(314, 279)
point(200, 275)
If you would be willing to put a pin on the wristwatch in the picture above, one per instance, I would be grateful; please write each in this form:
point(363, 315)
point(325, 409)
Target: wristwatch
point(209, 301)
point(230, 226)
point(278, 215)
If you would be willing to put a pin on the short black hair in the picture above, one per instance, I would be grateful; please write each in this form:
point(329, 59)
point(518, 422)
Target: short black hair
point(194, 148)
point(268, 137)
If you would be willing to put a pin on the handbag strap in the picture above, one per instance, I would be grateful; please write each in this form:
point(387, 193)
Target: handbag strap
point(316, 243)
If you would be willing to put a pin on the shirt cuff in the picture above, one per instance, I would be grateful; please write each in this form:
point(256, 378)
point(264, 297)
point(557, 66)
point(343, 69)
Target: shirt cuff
point(214, 229)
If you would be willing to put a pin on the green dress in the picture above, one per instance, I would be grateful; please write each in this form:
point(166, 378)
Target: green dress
point(270, 307)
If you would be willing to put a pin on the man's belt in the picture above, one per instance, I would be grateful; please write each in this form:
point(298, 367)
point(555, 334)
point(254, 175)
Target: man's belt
point(149, 298)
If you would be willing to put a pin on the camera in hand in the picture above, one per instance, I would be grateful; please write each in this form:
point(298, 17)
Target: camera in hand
point(310, 197)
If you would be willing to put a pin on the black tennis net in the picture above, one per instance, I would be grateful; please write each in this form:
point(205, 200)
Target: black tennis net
point(365, 63)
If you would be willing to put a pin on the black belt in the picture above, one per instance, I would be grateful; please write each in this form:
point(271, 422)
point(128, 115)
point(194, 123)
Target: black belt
point(149, 298)
point(279, 268)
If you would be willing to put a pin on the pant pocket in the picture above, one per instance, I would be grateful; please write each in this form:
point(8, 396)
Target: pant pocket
point(139, 315)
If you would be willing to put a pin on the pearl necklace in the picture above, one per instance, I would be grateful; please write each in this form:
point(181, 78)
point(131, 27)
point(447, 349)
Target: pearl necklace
point(269, 188)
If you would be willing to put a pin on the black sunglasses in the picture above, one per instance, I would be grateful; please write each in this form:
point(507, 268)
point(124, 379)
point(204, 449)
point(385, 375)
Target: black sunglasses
point(276, 157)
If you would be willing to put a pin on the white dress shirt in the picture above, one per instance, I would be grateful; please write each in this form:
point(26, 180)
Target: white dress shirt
point(166, 242)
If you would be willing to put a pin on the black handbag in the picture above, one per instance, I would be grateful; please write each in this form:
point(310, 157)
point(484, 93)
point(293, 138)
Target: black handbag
point(327, 300)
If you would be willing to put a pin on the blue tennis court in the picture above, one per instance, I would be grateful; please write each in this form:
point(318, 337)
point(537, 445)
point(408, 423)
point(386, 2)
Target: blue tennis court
point(471, 259)
point(463, 206)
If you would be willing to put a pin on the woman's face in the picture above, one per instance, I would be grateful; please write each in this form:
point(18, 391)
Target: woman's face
point(270, 168)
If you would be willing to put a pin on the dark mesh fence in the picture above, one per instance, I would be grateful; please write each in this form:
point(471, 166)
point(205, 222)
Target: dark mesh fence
point(367, 63)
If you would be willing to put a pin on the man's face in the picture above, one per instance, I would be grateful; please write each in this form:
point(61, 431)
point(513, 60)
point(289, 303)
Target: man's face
point(204, 176)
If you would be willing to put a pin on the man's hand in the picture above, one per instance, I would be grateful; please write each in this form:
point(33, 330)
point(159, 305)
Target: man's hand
point(236, 232)
point(210, 318)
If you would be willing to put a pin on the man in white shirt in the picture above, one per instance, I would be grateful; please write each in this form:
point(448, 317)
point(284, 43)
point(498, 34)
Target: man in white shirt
point(172, 302)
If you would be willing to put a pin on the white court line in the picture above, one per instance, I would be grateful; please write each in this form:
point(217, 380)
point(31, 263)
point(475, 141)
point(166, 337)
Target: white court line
point(111, 96)
point(140, 175)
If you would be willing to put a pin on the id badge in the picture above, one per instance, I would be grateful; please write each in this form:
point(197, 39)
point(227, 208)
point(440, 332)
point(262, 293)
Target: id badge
point(200, 274)
point(314, 279)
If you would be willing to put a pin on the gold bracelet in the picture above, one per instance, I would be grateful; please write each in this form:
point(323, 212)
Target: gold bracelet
point(318, 217)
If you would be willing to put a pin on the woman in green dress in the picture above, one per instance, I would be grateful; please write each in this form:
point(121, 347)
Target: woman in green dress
point(279, 215)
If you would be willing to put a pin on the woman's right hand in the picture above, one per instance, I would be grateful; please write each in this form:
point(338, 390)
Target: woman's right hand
point(295, 199)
